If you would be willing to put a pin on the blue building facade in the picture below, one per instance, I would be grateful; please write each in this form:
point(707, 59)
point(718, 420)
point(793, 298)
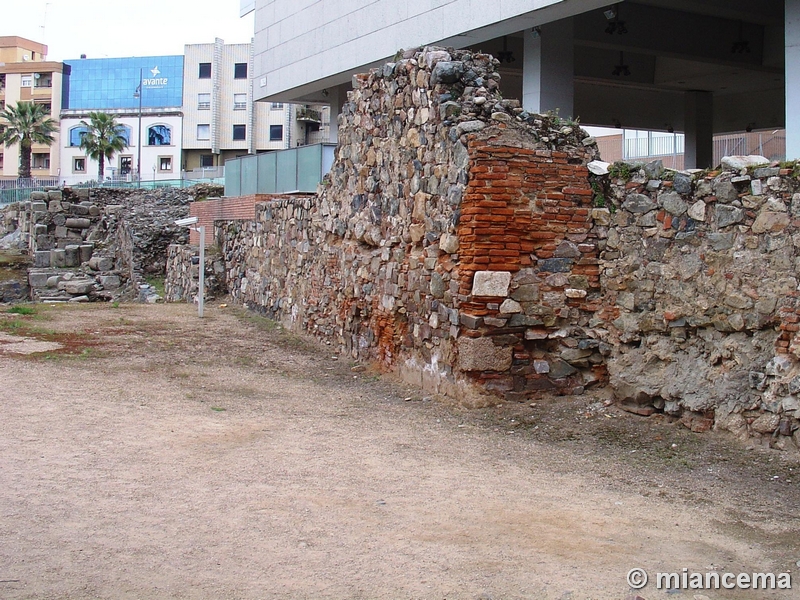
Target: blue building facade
point(112, 83)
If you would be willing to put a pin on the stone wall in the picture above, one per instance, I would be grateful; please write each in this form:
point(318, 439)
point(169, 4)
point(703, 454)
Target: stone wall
point(459, 240)
point(439, 189)
point(212, 209)
point(700, 276)
point(183, 265)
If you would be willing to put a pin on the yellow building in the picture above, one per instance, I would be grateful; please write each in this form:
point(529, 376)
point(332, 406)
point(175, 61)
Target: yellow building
point(25, 74)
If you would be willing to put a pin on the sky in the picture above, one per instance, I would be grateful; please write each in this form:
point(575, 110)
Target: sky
point(111, 29)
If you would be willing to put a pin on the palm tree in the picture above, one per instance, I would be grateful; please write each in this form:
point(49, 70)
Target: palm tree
point(25, 124)
point(104, 137)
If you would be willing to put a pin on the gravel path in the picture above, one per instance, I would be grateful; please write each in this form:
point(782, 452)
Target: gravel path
point(158, 456)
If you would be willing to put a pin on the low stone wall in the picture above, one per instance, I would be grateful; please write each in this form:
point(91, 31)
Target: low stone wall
point(700, 272)
point(183, 265)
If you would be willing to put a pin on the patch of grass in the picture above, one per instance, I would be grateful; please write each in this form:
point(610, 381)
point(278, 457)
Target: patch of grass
point(157, 283)
point(218, 409)
point(22, 310)
point(115, 305)
point(620, 170)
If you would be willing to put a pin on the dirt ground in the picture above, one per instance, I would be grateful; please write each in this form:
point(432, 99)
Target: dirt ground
point(145, 453)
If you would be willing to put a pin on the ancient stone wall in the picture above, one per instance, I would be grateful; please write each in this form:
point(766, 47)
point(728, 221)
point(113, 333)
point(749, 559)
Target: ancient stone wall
point(459, 240)
point(700, 276)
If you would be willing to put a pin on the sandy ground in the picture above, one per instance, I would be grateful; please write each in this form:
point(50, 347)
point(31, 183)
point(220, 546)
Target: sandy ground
point(152, 455)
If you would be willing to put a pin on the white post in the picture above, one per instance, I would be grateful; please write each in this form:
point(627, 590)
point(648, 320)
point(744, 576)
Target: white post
point(202, 283)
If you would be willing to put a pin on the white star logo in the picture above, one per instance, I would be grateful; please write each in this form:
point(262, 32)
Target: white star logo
point(155, 71)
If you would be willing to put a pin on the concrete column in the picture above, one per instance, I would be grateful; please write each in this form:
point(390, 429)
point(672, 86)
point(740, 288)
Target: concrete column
point(699, 142)
point(548, 69)
point(792, 50)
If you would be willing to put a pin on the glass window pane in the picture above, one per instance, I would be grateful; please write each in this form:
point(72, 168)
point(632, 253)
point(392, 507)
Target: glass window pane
point(159, 135)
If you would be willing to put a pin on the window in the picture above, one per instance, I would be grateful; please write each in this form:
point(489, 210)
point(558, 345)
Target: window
point(204, 132)
point(40, 160)
point(79, 165)
point(277, 106)
point(27, 81)
point(275, 133)
point(125, 165)
point(125, 134)
point(165, 164)
point(239, 132)
point(204, 71)
point(159, 135)
point(76, 135)
point(239, 101)
point(240, 71)
point(206, 160)
point(203, 101)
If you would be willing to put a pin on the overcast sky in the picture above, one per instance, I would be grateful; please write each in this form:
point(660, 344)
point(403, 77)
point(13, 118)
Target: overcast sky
point(111, 28)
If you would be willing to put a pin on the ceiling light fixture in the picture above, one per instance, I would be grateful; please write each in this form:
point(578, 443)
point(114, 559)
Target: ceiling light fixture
point(615, 25)
point(741, 46)
point(621, 69)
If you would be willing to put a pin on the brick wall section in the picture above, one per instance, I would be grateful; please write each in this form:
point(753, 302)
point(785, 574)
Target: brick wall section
point(225, 209)
point(527, 211)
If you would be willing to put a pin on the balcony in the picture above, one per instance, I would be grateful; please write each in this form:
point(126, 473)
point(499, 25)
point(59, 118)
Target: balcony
point(308, 115)
point(240, 106)
point(204, 106)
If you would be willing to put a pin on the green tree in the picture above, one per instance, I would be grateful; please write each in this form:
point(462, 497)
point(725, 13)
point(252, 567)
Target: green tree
point(26, 123)
point(104, 137)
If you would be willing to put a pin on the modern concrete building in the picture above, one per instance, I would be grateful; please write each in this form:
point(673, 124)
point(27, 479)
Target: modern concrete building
point(145, 95)
point(221, 121)
point(701, 67)
point(26, 75)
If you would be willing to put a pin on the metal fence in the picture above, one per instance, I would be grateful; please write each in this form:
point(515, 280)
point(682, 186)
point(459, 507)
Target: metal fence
point(19, 190)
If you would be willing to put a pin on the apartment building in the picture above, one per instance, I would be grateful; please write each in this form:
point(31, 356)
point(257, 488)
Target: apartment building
point(26, 75)
point(145, 95)
point(221, 121)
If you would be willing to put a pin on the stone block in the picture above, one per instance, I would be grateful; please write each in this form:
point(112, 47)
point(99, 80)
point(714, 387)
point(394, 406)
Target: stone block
point(57, 258)
point(448, 243)
point(101, 263)
point(673, 203)
point(41, 258)
point(38, 206)
point(86, 252)
point(53, 280)
point(638, 203)
point(77, 287)
point(770, 221)
point(38, 279)
point(110, 282)
point(55, 196)
point(72, 256)
point(78, 223)
point(481, 354)
point(510, 307)
point(491, 283)
point(727, 215)
point(470, 321)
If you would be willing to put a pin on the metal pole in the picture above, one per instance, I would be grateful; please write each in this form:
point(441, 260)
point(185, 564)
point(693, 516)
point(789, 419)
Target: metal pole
point(139, 145)
point(202, 283)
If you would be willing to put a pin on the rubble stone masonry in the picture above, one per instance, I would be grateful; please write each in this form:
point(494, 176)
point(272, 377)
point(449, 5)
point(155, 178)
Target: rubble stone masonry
point(483, 252)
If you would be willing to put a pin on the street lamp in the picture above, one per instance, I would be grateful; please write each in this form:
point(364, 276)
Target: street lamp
point(191, 223)
point(138, 94)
